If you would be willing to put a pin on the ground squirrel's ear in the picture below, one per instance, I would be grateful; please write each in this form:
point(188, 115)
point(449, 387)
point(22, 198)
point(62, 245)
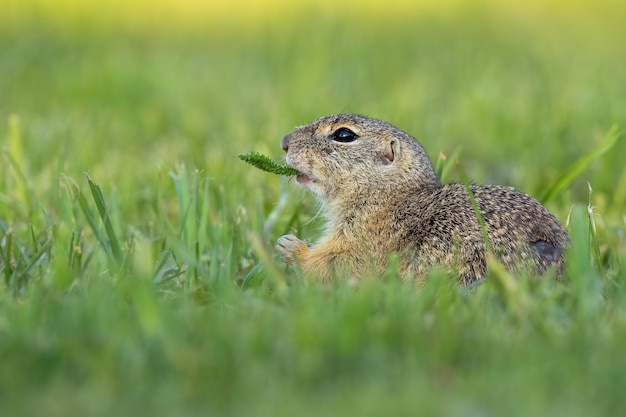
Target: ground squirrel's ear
point(391, 152)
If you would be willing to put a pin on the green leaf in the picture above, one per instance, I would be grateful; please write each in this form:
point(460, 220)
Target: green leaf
point(470, 193)
point(262, 162)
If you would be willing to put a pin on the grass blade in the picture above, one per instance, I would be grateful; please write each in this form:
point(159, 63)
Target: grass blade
point(35, 259)
point(6, 258)
point(104, 215)
point(445, 164)
point(92, 222)
point(593, 233)
point(472, 199)
point(586, 285)
point(609, 141)
point(182, 187)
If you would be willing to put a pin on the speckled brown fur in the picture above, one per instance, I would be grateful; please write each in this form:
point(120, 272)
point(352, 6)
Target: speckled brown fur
point(382, 197)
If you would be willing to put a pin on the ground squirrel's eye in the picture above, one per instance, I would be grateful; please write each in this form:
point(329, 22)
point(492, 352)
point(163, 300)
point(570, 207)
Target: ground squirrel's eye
point(343, 134)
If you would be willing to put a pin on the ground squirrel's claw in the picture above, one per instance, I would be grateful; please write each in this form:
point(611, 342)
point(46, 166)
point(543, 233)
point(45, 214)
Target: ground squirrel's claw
point(288, 247)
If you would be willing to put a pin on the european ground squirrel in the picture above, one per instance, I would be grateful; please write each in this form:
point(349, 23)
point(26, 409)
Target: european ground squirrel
point(381, 197)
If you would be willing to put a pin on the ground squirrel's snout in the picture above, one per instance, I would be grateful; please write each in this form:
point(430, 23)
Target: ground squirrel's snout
point(284, 143)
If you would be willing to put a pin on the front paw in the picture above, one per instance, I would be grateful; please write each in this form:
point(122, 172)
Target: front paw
point(290, 249)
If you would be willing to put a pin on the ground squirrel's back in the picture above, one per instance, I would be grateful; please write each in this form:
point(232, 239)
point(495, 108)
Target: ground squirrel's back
point(382, 197)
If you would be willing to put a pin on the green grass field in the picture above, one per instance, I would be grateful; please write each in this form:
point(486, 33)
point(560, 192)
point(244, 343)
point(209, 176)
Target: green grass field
point(136, 262)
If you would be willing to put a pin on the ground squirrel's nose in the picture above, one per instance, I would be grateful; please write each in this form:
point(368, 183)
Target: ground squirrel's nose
point(284, 143)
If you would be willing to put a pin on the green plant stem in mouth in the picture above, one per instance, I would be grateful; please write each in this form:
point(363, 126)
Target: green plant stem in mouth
point(266, 164)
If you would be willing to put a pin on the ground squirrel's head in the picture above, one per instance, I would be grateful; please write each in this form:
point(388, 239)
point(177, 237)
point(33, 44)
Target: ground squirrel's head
point(345, 154)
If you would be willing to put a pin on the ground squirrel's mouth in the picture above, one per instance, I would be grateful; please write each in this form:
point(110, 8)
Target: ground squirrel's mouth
point(307, 181)
point(303, 179)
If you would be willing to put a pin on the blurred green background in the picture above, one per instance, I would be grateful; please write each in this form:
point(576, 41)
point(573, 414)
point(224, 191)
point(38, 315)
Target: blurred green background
point(154, 100)
point(119, 89)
